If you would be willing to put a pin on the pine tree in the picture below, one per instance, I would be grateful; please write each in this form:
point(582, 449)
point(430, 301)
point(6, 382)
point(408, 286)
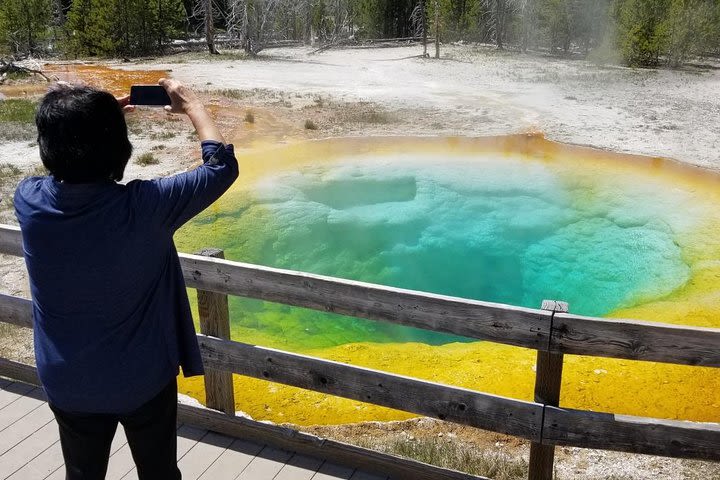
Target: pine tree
point(88, 29)
point(122, 27)
point(24, 24)
point(642, 30)
point(689, 28)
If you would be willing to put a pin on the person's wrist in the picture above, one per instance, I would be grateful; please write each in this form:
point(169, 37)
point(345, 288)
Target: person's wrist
point(195, 110)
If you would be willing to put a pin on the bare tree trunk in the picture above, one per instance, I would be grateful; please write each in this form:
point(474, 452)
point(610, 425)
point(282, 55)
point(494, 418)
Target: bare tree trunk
point(526, 9)
point(28, 25)
point(209, 27)
point(499, 22)
point(189, 8)
point(58, 18)
point(338, 19)
point(161, 27)
point(247, 42)
point(126, 28)
point(308, 22)
point(437, 29)
point(423, 13)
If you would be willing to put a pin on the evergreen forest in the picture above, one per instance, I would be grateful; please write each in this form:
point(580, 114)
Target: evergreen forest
point(633, 32)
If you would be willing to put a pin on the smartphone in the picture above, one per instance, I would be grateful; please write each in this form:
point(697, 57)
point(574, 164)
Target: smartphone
point(153, 95)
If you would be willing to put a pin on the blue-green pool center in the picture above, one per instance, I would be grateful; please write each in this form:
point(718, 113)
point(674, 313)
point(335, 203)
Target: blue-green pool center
point(493, 227)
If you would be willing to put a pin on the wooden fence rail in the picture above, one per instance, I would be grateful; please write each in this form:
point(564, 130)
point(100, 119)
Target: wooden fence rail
point(459, 405)
point(523, 327)
point(550, 331)
point(625, 433)
point(517, 326)
point(636, 340)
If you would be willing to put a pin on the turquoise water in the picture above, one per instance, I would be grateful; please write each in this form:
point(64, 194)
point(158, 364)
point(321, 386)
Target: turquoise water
point(496, 229)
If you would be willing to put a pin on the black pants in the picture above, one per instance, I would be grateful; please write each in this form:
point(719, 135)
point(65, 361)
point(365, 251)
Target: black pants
point(151, 434)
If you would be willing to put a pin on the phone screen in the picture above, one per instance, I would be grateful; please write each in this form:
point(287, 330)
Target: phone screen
point(153, 95)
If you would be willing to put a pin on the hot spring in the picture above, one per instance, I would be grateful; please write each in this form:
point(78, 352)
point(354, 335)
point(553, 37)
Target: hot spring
point(512, 220)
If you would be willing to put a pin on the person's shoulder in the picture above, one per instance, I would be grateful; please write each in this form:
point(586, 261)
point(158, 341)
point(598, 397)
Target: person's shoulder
point(29, 186)
point(28, 194)
point(141, 186)
point(31, 183)
point(133, 185)
point(143, 192)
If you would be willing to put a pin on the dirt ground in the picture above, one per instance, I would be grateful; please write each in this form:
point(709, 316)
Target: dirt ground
point(570, 463)
point(473, 91)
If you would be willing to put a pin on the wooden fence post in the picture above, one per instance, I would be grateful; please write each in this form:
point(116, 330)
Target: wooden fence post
point(215, 322)
point(548, 378)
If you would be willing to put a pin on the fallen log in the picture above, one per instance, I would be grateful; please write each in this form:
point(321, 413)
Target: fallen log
point(9, 67)
point(369, 43)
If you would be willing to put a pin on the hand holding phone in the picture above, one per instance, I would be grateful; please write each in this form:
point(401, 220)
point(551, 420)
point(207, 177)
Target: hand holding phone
point(183, 100)
point(150, 95)
point(176, 98)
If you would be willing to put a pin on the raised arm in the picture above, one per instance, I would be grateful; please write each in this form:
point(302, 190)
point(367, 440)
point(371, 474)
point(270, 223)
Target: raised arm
point(185, 101)
point(172, 201)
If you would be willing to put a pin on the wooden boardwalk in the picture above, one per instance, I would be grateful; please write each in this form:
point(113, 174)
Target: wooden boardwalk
point(30, 449)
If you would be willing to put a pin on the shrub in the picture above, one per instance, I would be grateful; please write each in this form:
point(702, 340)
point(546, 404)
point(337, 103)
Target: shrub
point(446, 454)
point(146, 159)
point(310, 125)
point(374, 116)
point(163, 136)
point(9, 173)
point(18, 75)
point(249, 117)
point(9, 170)
point(16, 132)
point(642, 31)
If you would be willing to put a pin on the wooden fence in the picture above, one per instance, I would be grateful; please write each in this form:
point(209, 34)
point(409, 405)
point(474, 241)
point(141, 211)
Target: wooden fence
point(550, 330)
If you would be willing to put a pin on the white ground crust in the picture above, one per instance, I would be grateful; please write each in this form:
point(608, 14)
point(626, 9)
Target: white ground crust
point(664, 113)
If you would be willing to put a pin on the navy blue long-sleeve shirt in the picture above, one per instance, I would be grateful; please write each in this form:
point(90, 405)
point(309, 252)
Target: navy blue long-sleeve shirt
point(112, 320)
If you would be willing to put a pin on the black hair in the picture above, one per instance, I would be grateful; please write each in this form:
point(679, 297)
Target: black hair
point(82, 135)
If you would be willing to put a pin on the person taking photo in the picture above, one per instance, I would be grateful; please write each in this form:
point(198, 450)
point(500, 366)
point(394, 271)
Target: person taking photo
point(112, 321)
